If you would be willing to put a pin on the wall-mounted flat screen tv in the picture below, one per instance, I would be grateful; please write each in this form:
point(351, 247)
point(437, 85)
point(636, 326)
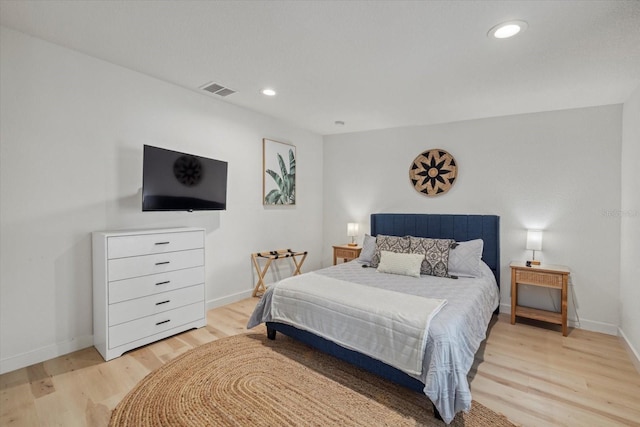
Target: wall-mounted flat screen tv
point(175, 181)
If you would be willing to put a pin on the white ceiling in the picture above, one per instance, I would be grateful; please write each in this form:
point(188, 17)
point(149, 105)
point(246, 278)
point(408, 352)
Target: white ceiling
point(371, 64)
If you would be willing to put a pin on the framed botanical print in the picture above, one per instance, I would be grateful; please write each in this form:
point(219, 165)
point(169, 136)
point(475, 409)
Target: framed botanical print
point(278, 173)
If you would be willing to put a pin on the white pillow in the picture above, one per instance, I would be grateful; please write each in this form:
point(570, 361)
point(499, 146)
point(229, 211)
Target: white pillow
point(368, 249)
point(397, 263)
point(465, 258)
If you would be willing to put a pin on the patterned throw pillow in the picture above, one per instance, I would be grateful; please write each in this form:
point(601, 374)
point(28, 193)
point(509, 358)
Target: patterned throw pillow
point(436, 254)
point(403, 264)
point(391, 244)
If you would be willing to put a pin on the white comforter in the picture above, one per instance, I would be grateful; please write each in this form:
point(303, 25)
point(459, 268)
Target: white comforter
point(387, 325)
point(454, 334)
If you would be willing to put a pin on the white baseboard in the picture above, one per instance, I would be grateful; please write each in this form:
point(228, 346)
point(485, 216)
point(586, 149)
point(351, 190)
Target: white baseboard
point(60, 349)
point(594, 326)
point(505, 309)
point(229, 299)
point(633, 353)
point(45, 353)
point(587, 325)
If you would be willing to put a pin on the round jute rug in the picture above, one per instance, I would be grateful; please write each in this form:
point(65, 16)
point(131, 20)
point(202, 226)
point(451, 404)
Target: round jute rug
point(248, 380)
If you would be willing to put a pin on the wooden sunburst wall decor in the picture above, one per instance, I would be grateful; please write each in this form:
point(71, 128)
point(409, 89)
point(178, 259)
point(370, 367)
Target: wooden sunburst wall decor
point(433, 172)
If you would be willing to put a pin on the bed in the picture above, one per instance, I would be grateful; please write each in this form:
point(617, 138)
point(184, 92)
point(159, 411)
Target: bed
point(454, 332)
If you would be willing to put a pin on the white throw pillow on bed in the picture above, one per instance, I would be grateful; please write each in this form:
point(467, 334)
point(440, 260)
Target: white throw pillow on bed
point(465, 258)
point(397, 263)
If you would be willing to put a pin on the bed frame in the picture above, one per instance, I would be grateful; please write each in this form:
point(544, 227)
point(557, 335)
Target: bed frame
point(458, 227)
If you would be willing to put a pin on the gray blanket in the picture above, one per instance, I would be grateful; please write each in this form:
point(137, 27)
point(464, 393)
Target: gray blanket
point(455, 333)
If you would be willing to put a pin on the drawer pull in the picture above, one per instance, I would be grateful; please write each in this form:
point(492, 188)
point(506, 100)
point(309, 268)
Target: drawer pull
point(163, 283)
point(163, 302)
point(164, 321)
point(163, 262)
point(162, 243)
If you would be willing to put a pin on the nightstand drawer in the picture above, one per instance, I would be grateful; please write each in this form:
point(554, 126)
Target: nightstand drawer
point(537, 278)
point(345, 253)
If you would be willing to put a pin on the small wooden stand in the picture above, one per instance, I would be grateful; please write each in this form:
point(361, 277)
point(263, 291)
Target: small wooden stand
point(546, 276)
point(261, 287)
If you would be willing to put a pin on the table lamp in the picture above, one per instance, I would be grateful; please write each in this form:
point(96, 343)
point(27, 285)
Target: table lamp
point(534, 243)
point(352, 231)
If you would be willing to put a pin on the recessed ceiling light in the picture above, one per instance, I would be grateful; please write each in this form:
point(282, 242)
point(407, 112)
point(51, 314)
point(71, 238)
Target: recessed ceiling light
point(269, 92)
point(507, 29)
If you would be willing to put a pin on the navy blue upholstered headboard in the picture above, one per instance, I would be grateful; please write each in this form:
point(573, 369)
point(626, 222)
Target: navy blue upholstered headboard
point(458, 227)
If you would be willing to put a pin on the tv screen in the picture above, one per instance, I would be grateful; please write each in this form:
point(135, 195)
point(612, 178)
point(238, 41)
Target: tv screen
point(174, 181)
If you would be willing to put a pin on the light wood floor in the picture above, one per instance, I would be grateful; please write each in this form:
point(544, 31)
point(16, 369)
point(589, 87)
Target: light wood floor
point(534, 376)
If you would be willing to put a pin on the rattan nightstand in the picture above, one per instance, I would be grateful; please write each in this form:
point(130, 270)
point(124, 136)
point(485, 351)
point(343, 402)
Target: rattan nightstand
point(546, 276)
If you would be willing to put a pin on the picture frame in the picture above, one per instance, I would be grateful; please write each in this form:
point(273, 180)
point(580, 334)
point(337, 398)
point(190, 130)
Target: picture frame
point(278, 173)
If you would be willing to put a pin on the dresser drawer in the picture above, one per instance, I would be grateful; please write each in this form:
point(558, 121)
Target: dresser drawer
point(125, 268)
point(146, 244)
point(154, 304)
point(143, 286)
point(532, 277)
point(150, 325)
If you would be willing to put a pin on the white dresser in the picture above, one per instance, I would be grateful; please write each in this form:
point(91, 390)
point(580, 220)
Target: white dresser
point(147, 285)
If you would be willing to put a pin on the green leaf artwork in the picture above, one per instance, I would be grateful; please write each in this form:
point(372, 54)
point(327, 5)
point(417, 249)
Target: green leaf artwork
point(284, 192)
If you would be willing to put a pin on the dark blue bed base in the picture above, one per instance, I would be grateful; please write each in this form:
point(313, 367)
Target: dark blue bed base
point(458, 227)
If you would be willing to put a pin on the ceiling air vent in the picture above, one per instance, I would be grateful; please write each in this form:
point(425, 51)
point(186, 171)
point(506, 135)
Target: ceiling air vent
point(217, 89)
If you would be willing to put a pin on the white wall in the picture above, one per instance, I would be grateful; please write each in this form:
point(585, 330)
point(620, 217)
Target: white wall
point(558, 171)
point(72, 129)
point(71, 134)
point(630, 224)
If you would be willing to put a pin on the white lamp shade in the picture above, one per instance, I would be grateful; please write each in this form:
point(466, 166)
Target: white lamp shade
point(534, 240)
point(352, 229)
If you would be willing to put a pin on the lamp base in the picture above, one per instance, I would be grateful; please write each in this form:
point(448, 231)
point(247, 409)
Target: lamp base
point(352, 244)
point(534, 262)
